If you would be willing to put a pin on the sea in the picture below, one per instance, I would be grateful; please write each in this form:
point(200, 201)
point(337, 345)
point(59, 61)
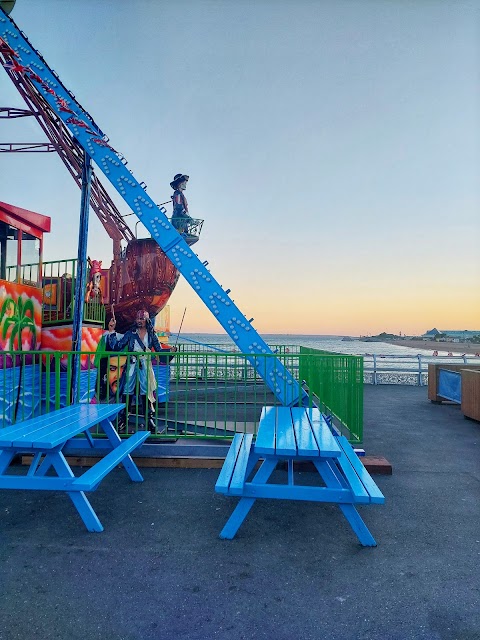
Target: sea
point(335, 344)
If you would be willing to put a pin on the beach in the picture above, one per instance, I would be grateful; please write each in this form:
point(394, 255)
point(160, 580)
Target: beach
point(458, 348)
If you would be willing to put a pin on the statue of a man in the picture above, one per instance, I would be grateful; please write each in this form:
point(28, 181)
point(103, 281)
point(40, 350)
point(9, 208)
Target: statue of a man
point(180, 216)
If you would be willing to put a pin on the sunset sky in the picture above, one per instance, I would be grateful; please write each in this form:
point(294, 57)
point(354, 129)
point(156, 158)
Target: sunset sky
point(333, 149)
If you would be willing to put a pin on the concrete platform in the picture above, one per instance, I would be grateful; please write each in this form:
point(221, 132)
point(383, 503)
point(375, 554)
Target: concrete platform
point(295, 570)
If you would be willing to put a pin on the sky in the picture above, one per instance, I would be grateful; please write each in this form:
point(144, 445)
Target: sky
point(333, 149)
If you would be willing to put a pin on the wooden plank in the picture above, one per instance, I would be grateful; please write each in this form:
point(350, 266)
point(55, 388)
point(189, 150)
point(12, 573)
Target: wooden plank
point(91, 478)
point(306, 443)
point(297, 492)
point(433, 375)
point(10, 434)
point(265, 443)
point(50, 430)
point(285, 444)
point(376, 496)
point(471, 394)
point(352, 479)
point(36, 483)
point(373, 464)
point(223, 482)
point(180, 462)
point(87, 416)
point(327, 443)
point(377, 465)
point(238, 477)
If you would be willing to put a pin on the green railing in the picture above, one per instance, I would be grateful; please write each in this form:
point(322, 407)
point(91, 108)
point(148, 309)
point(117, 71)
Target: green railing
point(336, 383)
point(198, 395)
point(58, 282)
point(189, 226)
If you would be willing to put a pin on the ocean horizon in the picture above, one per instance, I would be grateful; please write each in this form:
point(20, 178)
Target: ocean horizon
point(332, 343)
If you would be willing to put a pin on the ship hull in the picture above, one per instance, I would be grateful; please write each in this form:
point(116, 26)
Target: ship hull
point(142, 277)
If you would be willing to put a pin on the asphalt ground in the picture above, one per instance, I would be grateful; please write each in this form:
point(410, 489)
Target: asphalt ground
point(295, 569)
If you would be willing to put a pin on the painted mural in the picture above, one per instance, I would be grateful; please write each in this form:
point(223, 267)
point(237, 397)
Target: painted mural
point(35, 361)
point(60, 339)
point(20, 319)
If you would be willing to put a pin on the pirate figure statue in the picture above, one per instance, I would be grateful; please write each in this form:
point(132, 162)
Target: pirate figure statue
point(138, 378)
point(94, 291)
point(180, 217)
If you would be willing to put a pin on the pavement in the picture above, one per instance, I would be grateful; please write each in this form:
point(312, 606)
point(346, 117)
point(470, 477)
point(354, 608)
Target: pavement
point(295, 570)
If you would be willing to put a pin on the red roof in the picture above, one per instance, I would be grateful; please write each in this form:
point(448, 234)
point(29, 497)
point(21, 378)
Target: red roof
point(29, 221)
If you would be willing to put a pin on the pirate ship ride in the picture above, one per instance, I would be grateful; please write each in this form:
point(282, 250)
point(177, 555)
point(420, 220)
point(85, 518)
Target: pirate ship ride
point(78, 139)
point(140, 275)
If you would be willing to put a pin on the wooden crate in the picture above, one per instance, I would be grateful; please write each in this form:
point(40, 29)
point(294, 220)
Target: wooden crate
point(471, 393)
point(433, 372)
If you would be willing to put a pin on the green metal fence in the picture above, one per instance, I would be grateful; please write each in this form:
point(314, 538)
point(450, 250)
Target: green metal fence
point(58, 283)
point(336, 383)
point(199, 394)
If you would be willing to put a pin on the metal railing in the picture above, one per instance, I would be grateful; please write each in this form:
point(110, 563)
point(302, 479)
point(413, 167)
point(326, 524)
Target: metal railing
point(196, 395)
point(58, 283)
point(201, 393)
point(188, 226)
point(336, 381)
point(407, 369)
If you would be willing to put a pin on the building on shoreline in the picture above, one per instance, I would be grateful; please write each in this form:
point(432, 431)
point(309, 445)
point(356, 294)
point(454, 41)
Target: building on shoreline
point(449, 335)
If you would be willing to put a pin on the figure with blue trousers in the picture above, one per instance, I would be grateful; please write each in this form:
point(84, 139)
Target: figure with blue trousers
point(140, 338)
point(180, 216)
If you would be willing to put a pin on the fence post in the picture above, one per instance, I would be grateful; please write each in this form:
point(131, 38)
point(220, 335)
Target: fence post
point(57, 357)
point(374, 369)
point(419, 356)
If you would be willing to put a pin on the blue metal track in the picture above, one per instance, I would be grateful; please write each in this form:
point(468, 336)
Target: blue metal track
point(27, 62)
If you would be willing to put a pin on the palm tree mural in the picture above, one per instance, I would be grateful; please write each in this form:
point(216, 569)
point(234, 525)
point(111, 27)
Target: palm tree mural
point(19, 316)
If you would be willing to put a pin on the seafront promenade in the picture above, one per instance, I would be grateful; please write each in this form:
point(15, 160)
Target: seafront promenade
point(295, 570)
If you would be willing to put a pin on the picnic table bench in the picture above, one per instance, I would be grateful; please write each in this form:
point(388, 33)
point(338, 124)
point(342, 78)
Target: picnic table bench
point(296, 434)
point(46, 436)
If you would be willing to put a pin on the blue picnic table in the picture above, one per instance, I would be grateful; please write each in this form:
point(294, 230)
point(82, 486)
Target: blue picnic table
point(295, 434)
point(46, 437)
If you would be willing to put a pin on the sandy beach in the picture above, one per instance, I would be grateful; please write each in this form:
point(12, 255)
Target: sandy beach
point(457, 348)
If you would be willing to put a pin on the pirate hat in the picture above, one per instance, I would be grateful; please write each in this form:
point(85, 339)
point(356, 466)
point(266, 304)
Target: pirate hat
point(179, 177)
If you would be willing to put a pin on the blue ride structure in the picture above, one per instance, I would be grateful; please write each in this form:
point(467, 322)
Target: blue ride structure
point(23, 61)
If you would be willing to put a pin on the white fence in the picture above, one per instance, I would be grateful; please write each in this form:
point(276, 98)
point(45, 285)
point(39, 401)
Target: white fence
point(408, 369)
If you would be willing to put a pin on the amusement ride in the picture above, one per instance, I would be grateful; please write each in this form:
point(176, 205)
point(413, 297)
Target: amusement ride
point(143, 273)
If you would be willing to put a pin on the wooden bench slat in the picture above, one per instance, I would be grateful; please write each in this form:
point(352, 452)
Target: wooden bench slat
point(47, 419)
point(376, 496)
point(49, 483)
point(223, 481)
point(285, 444)
point(238, 477)
point(91, 478)
point(240, 446)
point(306, 443)
point(326, 441)
point(265, 443)
point(13, 432)
point(62, 425)
point(352, 479)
